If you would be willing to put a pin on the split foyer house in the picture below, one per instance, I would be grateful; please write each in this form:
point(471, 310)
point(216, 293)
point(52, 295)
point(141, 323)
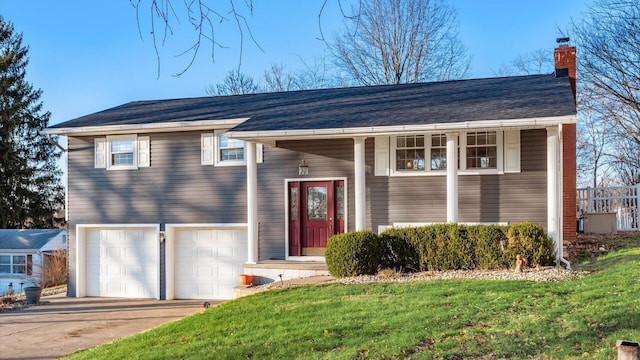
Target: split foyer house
point(176, 198)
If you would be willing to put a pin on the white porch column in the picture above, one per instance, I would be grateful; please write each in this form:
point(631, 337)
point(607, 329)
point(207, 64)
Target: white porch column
point(553, 185)
point(452, 177)
point(252, 203)
point(360, 185)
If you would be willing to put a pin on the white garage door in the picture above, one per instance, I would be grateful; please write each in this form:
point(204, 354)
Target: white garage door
point(122, 263)
point(208, 262)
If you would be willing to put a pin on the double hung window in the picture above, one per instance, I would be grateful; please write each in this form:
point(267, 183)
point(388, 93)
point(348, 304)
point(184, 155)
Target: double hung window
point(410, 151)
point(482, 150)
point(230, 149)
point(122, 152)
point(219, 150)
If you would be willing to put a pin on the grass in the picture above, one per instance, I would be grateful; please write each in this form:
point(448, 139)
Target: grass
point(450, 319)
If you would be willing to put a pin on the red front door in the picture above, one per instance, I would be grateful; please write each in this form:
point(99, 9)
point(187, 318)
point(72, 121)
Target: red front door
point(316, 212)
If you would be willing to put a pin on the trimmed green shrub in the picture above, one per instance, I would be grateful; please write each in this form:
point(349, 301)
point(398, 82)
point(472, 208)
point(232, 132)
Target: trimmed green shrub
point(454, 249)
point(438, 247)
point(530, 241)
point(489, 244)
point(354, 253)
point(398, 252)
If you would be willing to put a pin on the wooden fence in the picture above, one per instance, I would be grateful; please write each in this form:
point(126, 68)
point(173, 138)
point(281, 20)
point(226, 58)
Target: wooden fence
point(622, 200)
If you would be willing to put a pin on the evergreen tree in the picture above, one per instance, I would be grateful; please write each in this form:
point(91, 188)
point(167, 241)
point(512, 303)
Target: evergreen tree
point(31, 194)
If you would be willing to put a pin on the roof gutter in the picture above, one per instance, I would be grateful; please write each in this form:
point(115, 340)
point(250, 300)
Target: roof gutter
point(146, 128)
point(399, 129)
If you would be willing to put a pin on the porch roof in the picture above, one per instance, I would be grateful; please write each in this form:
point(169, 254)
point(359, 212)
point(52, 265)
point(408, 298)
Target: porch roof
point(458, 103)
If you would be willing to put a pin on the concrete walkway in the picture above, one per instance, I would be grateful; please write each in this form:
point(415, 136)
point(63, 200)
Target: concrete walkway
point(64, 325)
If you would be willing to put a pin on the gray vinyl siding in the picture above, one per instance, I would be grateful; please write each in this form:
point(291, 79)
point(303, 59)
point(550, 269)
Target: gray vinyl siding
point(512, 197)
point(175, 189)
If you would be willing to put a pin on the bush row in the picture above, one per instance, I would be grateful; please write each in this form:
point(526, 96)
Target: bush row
point(438, 247)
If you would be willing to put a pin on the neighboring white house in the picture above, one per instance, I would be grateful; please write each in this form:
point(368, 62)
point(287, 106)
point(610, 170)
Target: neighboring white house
point(22, 252)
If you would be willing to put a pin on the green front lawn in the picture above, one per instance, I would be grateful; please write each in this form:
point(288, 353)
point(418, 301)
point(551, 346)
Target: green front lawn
point(448, 319)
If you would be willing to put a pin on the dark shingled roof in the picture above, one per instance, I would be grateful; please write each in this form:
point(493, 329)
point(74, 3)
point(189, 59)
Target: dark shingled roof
point(11, 239)
point(386, 105)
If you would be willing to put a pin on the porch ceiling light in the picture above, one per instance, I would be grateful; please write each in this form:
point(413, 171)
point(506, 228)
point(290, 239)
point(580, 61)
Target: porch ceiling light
point(303, 168)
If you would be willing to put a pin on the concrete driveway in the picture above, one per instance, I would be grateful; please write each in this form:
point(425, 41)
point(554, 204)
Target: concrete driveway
point(65, 325)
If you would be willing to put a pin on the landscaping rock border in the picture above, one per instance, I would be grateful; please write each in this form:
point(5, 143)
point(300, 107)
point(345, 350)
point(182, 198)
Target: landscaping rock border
point(549, 274)
point(539, 274)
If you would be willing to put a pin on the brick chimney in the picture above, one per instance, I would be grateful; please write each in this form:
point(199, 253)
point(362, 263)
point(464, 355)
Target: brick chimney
point(565, 64)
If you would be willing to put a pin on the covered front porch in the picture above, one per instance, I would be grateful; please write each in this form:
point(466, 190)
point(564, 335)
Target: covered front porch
point(383, 165)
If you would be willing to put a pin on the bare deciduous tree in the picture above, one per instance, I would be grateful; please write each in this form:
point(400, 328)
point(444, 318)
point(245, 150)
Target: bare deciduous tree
point(160, 19)
point(536, 62)
point(401, 41)
point(202, 16)
point(278, 79)
point(593, 140)
point(608, 41)
point(235, 83)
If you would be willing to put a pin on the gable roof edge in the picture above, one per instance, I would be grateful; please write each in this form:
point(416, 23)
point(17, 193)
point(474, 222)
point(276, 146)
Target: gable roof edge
point(146, 128)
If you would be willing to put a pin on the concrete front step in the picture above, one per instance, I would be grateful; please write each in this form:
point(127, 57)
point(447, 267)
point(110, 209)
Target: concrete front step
point(268, 271)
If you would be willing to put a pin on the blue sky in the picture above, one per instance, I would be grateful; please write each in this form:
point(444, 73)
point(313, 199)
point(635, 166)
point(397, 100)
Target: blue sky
point(88, 56)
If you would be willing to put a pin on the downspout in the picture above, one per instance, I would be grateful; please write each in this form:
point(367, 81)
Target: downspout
point(561, 258)
point(57, 144)
point(564, 261)
point(554, 192)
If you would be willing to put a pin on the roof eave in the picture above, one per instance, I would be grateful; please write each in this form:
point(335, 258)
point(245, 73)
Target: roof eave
point(273, 135)
point(146, 128)
point(19, 251)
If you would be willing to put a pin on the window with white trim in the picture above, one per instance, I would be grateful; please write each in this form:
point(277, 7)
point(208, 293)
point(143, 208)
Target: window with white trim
point(482, 150)
point(219, 150)
point(13, 264)
point(122, 152)
point(230, 150)
point(410, 151)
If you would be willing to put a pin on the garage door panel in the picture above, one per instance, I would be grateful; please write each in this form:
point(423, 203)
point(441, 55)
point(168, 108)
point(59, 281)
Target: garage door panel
point(226, 272)
point(205, 252)
point(208, 262)
point(122, 262)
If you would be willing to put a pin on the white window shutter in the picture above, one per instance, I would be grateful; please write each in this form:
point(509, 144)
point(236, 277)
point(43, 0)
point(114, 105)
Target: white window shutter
point(259, 153)
point(207, 149)
point(512, 151)
point(381, 156)
point(100, 153)
point(144, 151)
